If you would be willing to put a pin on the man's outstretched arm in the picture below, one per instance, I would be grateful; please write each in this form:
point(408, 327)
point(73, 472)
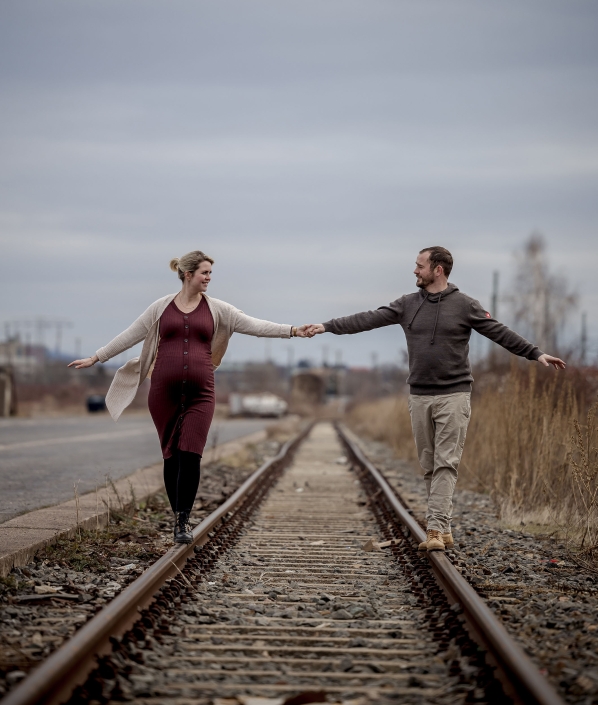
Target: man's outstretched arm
point(360, 322)
point(483, 323)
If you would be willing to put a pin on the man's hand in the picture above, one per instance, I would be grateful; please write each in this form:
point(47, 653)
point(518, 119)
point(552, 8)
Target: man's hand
point(306, 331)
point(312, 329)
point(302, 332)
point(548, 360)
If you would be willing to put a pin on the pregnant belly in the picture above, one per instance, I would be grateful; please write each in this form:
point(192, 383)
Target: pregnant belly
point(170, 371)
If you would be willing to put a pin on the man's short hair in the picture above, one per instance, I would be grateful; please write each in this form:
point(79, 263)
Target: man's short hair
point(439, 256)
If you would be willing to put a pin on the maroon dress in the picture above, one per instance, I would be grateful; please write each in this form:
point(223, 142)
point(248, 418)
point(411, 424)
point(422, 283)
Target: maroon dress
point(181, 398)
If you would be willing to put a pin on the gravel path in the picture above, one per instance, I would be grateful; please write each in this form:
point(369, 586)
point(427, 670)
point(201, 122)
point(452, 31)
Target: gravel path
point(546, 602)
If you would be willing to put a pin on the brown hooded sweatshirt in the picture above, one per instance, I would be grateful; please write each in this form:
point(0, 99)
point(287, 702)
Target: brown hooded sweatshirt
point(437, 328)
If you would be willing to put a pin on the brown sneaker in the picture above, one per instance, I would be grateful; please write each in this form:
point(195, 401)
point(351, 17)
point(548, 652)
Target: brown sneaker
point(447, 539)
point(433, 542)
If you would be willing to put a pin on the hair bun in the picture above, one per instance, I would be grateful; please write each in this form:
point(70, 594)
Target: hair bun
point(189, 263)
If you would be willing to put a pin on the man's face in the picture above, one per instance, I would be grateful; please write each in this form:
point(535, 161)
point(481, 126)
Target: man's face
point(424, 276)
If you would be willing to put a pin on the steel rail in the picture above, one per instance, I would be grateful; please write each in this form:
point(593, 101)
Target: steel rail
point(54, 679)
point(520, 678)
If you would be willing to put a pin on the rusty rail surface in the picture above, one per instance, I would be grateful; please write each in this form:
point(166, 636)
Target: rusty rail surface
point(520, 678)
point(53, 681)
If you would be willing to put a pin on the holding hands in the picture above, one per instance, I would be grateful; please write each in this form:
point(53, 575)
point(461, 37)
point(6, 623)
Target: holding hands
point(308, 330)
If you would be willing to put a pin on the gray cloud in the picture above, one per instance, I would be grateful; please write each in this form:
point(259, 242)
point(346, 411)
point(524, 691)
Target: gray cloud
point(311, 147)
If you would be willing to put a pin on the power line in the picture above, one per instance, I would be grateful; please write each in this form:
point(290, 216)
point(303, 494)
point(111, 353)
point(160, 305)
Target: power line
point(41, 324)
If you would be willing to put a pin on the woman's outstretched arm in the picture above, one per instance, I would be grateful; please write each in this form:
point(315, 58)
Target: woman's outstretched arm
point(134, 334)
point(247, 325)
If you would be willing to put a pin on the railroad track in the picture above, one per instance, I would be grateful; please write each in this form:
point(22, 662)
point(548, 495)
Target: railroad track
point(278, 599)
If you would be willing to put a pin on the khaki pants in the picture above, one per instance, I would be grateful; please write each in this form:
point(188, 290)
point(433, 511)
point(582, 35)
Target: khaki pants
point(439, 426)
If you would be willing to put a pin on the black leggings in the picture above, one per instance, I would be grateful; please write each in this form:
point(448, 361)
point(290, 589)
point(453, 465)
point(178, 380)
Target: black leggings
point(181, 478)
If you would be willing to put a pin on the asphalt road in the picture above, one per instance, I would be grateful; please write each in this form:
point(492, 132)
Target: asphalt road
point(41, 459)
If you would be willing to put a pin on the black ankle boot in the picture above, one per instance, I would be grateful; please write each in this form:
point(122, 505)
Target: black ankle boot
point(182, 529)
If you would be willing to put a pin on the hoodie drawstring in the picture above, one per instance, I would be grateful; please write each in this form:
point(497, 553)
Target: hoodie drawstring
point(436, 319)
point(418, 308)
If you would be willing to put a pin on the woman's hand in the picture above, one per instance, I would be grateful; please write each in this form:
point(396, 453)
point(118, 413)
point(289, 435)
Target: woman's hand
point(305, 331)
point(312, 329)
point(300, 332)
point(86, 362)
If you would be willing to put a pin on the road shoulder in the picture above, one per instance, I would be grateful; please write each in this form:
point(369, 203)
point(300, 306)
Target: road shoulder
point(23, 536)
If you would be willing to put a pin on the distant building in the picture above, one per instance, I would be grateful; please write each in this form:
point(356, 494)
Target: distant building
point(308, 389)
point(24, 359)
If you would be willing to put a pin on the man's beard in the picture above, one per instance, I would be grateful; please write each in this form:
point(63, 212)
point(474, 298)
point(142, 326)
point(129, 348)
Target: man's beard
point(423, 282)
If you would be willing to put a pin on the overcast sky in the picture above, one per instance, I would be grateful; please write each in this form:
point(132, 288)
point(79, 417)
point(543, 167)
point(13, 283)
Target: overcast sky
point(311, 147)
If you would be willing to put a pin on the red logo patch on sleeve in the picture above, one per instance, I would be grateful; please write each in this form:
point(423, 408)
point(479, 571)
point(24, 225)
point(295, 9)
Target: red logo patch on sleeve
point(488, 315)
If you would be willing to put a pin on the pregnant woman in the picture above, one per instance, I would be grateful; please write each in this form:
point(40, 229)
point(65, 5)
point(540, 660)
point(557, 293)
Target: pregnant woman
point(185, 337)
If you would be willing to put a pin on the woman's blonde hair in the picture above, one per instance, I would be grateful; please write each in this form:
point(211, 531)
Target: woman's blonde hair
point(189, 262)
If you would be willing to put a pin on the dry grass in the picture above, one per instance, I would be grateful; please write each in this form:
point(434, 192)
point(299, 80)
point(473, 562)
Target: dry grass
point(529, 446)
point(518, 442)
point(285, 429)
point(583, 467)
point(385, 420)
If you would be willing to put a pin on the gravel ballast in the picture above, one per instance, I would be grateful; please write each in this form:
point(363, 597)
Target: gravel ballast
point(545, 601)
point(45, 602)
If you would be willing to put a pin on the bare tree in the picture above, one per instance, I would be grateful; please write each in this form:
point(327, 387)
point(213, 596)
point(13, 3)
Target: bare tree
point(541, 299)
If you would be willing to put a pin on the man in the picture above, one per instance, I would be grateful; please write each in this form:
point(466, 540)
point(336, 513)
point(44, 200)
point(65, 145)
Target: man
point(437, 321)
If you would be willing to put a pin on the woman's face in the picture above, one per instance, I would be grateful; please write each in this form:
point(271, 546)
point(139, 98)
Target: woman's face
point(200, 278)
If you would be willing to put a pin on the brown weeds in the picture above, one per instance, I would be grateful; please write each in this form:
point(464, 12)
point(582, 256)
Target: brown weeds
point(583, 468)
point(528, 446)
point(517, 444)
point(386, 420)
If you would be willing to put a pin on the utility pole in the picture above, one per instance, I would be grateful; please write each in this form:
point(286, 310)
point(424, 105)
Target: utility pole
point(494, 303)
point(30, 367)
point(290, 366)
point(337, 374)
point(493, 313)
point(60, 324)
point(584, 337)
point(8, 343)
point(40, 326)
point(375, 377)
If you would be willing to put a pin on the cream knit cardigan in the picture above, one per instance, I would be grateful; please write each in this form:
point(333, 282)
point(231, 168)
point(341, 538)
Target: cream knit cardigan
point(227, 320)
